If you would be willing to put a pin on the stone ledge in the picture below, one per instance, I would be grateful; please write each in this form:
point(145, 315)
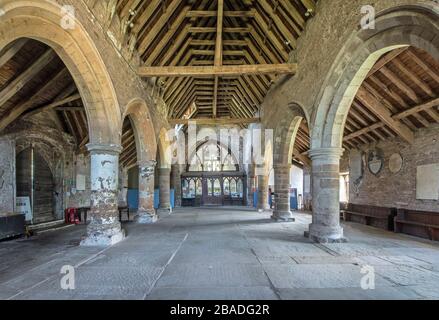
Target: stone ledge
point(103, 240)
point(282, 216)
point(146, 219)
point(319, 239)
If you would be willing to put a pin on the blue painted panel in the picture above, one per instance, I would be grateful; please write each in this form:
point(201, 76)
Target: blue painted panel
point(293, 199)
point(255, 199)
point(156, 198)
point(133, 198)
point(172, 198)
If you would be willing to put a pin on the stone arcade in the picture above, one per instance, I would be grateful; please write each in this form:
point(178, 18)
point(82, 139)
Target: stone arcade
point(219, 149)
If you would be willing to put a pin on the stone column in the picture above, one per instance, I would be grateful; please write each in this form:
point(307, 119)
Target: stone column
point(146, 212)
point(262, 192)
point(282, 210)
point(104, 227)
point(165, 186)
point(250, 184)
point(325, 226)
point(176, 183)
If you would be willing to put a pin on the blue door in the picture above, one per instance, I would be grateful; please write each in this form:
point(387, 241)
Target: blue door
point(156, 198)
point(133, 198)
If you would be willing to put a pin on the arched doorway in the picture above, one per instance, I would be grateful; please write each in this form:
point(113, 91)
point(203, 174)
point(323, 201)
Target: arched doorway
point(35, 182)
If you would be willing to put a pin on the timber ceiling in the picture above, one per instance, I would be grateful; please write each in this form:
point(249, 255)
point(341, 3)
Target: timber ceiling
point(399, 96)
point(34, 81)
point(185, 33)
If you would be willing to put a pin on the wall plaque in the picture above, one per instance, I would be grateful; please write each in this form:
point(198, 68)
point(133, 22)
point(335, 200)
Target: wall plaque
point(427, 182)
point(395, 163)
point(375, 161)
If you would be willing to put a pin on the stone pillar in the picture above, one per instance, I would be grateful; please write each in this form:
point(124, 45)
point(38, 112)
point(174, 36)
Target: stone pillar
point(104, 227)
point(282, 210)
point(262, 192)
point(250, 184)
point(176, 184)
point(146, 212)
point(325, 226)
point(165, 186)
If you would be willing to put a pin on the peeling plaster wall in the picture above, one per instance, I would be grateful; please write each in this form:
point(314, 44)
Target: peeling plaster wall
point(7, 176)
point(38, 133)
point(80, 166)
point(123, 186)
point(61, 157)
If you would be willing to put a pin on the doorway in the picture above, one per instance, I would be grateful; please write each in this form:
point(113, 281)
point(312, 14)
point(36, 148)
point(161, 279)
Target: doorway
point(35, 181)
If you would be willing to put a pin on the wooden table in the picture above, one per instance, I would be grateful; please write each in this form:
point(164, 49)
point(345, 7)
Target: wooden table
point(84, 210)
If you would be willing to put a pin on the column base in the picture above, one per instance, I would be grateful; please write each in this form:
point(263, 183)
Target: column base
point(146, 218)
point(282, 216)
point(102, 239)
point(324, 234)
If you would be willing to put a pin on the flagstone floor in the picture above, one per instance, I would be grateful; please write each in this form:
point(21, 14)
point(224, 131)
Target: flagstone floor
point(222, 253)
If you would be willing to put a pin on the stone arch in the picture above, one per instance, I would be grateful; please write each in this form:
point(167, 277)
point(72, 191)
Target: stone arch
point(165, 148)
point(146, 145)
point(200, 144)
point(411, 25)
point(285, 134)
point(40, 20)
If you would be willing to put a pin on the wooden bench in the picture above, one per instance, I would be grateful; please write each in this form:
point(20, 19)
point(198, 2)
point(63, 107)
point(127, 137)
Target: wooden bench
point(11, 225)
point(379, 217)
point(424, 224)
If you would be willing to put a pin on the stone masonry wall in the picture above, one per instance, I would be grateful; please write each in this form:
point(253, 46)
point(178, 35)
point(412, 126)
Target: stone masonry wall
point(122, 70)
point(317, 49)
point(399, 189)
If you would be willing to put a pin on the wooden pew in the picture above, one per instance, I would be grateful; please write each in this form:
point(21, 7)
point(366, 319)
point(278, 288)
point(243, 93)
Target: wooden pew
point(379, 217)
point(424, 224)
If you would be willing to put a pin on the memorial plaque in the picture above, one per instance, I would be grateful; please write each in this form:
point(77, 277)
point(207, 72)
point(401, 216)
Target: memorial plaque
point(395, 163)
point(375, 161)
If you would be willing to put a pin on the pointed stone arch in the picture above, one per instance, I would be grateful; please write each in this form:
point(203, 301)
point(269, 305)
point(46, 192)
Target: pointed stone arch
point(411, 25)
point(40, 20)
point(144, 134)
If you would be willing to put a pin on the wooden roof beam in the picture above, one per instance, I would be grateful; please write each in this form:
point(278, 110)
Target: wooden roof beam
point(217, 121)
point(218, 61)
point(210, 13)
point(225, 30)
point(374, 105)
point(204, 71)
point(11, 51)
point(53, 105)
point(22, 107)
point(20, 81)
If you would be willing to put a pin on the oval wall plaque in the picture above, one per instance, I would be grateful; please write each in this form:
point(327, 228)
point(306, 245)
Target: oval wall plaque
point(395, 163)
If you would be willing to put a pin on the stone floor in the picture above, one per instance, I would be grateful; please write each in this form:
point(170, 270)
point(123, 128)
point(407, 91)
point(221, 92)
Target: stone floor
point(221, 254)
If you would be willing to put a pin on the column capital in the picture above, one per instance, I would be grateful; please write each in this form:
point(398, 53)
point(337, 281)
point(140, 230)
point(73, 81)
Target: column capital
point(104, 148)
point(282, 166)
point(147, 163)
point(324, 153)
